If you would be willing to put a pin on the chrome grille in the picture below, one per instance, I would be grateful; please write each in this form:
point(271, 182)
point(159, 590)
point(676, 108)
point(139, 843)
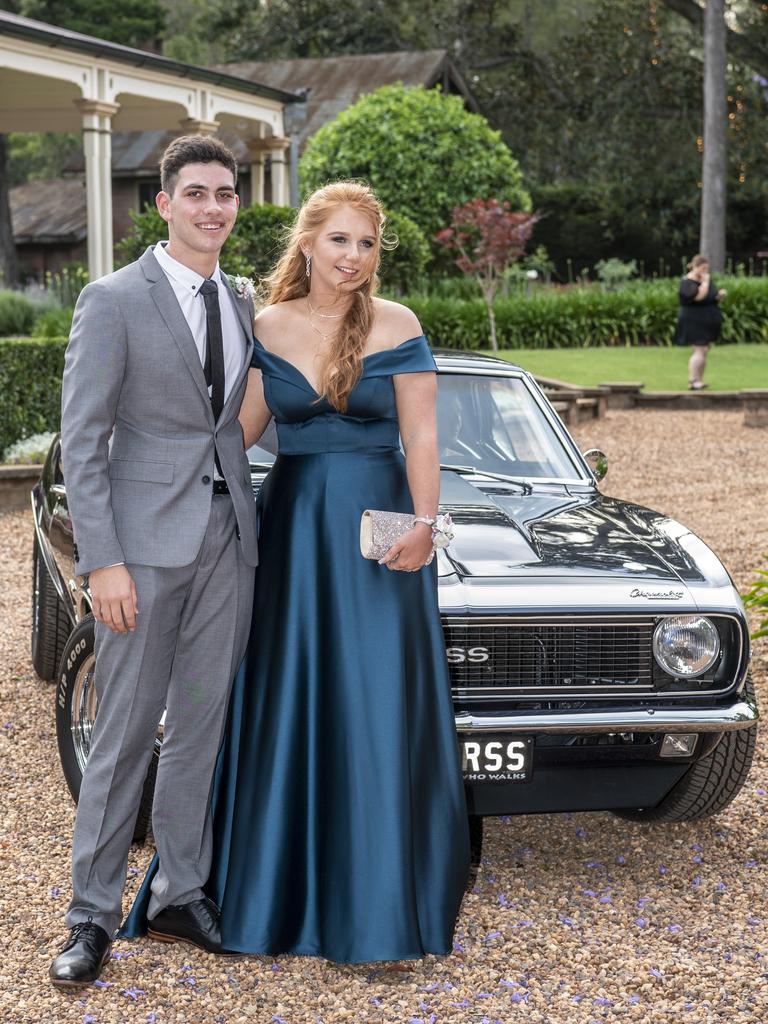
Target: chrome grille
point(495, 657)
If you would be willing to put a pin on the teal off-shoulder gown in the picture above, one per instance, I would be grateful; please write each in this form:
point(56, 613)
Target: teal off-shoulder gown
point(339, 818)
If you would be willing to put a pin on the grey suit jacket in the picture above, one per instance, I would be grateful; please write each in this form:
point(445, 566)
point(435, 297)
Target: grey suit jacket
point(138, 433)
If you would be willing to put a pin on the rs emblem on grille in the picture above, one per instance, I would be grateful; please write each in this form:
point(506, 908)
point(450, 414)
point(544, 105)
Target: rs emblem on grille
point(457, 655)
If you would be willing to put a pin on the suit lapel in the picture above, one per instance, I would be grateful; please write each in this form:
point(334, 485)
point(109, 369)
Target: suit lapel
point(243, 309)
point(169, 309)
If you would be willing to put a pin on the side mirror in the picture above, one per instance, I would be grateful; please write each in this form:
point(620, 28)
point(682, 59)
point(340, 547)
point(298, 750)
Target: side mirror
point(597, 462)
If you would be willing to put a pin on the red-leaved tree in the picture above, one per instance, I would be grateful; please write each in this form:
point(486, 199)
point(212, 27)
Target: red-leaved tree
point(488, 237)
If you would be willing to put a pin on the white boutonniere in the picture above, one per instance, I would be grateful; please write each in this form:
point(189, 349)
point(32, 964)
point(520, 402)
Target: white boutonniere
point(243, 287)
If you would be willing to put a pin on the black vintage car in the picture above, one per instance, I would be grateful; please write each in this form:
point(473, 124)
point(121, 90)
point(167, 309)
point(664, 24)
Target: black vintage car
point(599, 651)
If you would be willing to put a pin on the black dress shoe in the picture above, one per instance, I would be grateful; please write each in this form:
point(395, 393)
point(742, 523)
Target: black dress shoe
point(196, 922)
point(82, 956)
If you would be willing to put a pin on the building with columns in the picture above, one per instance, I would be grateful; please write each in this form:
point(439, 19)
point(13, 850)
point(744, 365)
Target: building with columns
point(52, 79)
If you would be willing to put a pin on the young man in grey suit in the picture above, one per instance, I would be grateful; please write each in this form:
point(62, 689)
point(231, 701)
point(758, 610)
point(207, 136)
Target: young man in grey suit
point(159, 490)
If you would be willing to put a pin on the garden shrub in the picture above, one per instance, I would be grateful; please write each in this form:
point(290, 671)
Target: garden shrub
point(402, 268)
point(30, 383)
point(17, 313)
point(421, 151)
point(55, 323)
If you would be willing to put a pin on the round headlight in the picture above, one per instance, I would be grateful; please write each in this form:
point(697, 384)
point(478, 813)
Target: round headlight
point(686, 645)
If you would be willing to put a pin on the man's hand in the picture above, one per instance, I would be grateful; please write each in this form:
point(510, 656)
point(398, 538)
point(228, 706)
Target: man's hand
point(113, 595)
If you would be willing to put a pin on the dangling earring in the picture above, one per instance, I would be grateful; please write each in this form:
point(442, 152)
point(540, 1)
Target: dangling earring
point(309, 264)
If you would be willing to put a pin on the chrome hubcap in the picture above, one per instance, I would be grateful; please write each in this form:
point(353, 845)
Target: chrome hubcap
point(83, 710)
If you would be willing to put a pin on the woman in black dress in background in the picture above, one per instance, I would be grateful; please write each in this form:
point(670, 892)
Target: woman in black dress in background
point(700, 319)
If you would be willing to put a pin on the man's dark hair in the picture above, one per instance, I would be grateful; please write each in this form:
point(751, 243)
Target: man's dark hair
point(193, 149)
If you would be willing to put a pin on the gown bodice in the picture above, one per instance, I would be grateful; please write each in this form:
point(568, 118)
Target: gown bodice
point(308, 424)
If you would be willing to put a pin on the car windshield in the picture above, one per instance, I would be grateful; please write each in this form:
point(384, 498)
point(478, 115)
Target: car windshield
point(495, 425)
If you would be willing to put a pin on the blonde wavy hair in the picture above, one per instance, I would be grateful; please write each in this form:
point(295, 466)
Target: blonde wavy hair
point(344, 363)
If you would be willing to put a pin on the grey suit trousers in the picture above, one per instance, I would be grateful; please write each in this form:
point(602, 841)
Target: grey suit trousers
point(191, 632)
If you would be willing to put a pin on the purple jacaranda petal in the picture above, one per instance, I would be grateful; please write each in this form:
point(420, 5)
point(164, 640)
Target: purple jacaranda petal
point(102, 984)
point(750, 863)
point(519, 997)
point(376, 1001)
point(483, 995)
point(663, 869)
point(633, 1000)
point(55, 892)
point(577, 999)
point(602, 1001)
point(491, 936)
point(413, 1020)
point(697, 847)
point(728, 957)
point(132, 993)
point(655, 972)
point(430, 988)
point(580, 832)
point(8, 725)
point(592, 864)
point(274, 967)
point(674, 928)
point(464, 1002)
point(458, 948)
point(151, 1017)
point(689, 1006)
point(721, 886)
point(697, 859)
point(641, 922)
point(621, 859)
point(133, 871)
point(503, 901)
point(754, 920)
point(696, 881)
point(508, 984)
point(760, 792)
point(189, 981)
point(423, 1005)
point(278, 1020)
point(589, 892)
point(565, 920)
point(89, 1019)
point(642, 901)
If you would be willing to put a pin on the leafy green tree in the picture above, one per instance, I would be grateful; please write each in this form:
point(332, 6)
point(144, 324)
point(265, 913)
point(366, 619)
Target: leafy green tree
point(402, 267)
point(136, 23)
point(422, 152)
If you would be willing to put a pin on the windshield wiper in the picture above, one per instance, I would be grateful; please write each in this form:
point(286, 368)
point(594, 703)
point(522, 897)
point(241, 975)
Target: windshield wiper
point(526, 485)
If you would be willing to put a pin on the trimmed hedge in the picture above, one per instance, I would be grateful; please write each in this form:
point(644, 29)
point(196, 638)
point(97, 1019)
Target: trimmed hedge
point(641, 313)
point(30, 383)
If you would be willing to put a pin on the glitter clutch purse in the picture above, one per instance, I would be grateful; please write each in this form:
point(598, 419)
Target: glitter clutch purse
point(379, 531)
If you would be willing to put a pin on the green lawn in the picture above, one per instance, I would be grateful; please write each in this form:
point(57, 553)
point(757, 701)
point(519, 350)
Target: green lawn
point(729, 367)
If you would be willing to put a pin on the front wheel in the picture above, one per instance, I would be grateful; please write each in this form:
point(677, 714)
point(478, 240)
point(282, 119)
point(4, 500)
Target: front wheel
point(50, 622)
point(710, 784)
point(76, 705)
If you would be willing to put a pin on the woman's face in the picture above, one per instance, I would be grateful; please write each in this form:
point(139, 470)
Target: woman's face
point(343, 251)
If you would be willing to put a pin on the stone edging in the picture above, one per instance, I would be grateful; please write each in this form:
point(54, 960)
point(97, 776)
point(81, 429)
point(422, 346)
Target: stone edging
point(15, 484)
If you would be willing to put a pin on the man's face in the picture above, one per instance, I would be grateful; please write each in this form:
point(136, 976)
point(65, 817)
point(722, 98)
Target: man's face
point(201, 211)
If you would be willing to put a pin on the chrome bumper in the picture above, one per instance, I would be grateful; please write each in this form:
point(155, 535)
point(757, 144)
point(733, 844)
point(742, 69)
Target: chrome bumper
point(741, 715)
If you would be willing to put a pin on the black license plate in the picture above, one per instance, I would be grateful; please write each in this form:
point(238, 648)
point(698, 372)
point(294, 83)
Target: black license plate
point(496, 758)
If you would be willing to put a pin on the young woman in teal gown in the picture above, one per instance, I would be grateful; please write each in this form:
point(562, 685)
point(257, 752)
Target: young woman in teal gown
point(339, 819)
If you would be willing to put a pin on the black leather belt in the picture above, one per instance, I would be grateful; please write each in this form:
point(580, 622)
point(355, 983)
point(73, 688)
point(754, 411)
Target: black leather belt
point(220, 487)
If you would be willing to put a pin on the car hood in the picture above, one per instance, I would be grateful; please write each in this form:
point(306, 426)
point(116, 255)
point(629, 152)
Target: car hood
point(555, 532)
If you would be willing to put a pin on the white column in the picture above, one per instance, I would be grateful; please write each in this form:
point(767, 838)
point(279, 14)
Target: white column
point(257, 151)
point(197, 126)
point(97, 144)
point(278, 147)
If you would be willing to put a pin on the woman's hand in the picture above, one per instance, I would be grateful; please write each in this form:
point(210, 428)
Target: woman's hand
point(411, 551)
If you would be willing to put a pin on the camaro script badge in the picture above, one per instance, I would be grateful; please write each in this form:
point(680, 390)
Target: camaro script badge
point(657, 595)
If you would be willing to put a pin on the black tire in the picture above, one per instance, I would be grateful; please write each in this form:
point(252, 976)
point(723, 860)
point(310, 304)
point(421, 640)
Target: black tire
point(50, 622)
point(76, 705)
point(710, 784)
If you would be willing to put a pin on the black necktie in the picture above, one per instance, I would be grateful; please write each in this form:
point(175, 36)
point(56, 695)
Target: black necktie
point(213, 366)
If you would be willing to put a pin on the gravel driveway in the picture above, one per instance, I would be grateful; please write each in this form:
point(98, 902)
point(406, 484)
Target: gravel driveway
point(575, 918)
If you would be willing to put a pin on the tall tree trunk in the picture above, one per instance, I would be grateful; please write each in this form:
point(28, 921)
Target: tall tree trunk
point(714, 164)
point(9, 265)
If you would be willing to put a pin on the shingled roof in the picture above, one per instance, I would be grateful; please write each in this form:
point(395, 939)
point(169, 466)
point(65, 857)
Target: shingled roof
point(335, 83)
point(48, 212)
